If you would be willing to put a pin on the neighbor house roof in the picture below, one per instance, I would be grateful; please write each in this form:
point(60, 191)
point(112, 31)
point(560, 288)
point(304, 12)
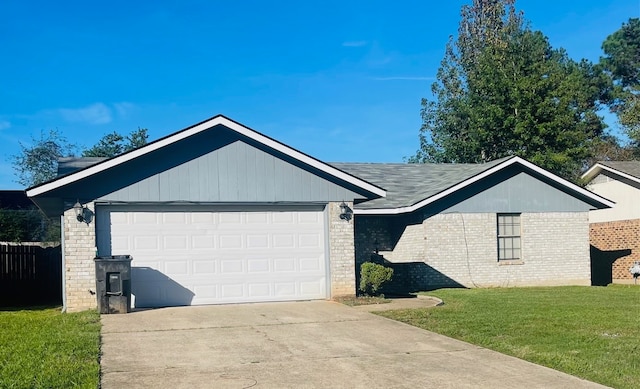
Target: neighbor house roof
point(68, 165)
point(626, 169)
point(86, 171)
point(413, 186)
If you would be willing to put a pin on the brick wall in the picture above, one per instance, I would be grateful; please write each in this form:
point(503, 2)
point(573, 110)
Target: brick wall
point(341, 252)
point(79, 267)
point(618, 235)
point(461, 250)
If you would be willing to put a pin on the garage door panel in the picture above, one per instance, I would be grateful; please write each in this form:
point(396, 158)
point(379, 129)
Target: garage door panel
point(258, 265)
point(231, 266)
point(174, 242)
point(255, 241)
point(204, 267)
point(259, 290)
point(281, 241)
point(201, 257)
point(203, 241)
point(285, 289)
point(230, 241)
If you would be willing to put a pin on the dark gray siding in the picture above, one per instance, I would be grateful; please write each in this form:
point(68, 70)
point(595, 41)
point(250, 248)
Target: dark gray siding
point(236, 172)
point(519, 193)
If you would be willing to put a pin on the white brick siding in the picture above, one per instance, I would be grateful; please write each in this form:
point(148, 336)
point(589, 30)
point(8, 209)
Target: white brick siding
point(341, 253)
point(79, 267)
point(461, 249)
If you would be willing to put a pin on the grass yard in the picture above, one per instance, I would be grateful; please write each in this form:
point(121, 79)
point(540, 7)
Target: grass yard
point(43, 348)
point(589, 332)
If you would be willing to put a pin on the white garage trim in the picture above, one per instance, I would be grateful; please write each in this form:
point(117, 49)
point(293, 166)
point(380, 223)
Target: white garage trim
point(191, 255)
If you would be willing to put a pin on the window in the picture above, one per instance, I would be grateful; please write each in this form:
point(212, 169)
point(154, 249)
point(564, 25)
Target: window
point(509, 237)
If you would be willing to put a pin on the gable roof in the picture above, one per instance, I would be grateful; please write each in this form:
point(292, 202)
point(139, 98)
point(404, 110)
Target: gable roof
point(626, 169)
point(86, 171)
point(413, 186)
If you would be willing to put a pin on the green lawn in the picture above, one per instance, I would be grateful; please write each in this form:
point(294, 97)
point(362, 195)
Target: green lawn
point(589, 332)
point(43, 348)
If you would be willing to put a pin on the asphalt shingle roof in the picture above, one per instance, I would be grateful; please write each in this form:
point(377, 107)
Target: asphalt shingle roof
point(631, 168)
point(408, 184)
point(68, 165)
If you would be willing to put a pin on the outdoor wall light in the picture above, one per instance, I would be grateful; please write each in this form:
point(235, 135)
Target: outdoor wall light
point(345, 212)
point(82, 212)
point(635, 271)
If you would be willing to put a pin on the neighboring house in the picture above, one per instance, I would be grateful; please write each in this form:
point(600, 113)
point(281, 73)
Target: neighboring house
point(615, 232)
point(219, 213)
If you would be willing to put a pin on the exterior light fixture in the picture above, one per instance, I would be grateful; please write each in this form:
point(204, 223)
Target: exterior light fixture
point(81, 211)
point(345, 212)
point(635, 271)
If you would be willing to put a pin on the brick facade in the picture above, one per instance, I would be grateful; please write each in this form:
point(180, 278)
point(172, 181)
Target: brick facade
point(621, 236)
point(79, 268)
point(461, 250)
point(341, 252)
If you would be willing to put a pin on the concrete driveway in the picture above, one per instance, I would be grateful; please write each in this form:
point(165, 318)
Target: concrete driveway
point(318, 344)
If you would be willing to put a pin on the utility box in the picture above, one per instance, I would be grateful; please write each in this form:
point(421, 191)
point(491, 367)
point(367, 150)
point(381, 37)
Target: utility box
point(113, 283)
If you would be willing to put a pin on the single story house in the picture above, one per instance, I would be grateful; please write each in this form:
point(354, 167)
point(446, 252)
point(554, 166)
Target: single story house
point(615, 232)
point(219, 213)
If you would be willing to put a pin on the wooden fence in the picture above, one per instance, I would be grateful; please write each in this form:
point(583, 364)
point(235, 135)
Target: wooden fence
point(30, 274)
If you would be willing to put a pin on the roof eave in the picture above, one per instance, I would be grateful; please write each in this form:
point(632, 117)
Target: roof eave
point(189, 131)
point(598, 168)
point(601, 201)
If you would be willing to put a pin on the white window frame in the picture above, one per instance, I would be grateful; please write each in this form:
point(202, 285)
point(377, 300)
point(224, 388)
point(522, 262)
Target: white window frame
point(509, 236)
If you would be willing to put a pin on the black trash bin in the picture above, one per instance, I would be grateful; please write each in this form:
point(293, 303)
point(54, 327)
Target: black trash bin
point(113, 283)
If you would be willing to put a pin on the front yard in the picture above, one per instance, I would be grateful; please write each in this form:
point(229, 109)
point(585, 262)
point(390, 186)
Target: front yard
point(589, 332)
point(43, 348)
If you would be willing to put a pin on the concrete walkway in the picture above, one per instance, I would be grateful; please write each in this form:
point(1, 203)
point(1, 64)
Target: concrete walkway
point(318, 344)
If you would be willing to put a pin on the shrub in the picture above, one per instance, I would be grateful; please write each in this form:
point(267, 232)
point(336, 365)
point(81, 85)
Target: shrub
point(373, 276)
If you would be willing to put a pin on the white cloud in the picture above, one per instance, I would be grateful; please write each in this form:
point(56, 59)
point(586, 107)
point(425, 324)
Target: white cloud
point(354, 43)
point(124, 108)
point(404, 78)
point(97, 113)
point(4, 125)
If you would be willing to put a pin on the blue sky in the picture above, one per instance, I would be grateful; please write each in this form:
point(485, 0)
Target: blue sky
point(339, 80)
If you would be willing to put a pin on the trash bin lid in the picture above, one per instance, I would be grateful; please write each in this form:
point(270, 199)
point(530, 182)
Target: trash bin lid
point(113, 258)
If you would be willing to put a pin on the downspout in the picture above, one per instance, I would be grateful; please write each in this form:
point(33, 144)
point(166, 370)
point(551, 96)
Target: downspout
point(63, 272)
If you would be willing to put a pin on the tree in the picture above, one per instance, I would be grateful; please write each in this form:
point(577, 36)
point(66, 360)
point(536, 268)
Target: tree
point(503, 90)
point(115, 144)
point(622, 61)
point(38, 162)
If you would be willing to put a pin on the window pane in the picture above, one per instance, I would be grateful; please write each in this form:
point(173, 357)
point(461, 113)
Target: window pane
point(509, 242)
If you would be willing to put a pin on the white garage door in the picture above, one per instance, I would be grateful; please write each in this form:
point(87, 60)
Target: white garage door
point(184, 256)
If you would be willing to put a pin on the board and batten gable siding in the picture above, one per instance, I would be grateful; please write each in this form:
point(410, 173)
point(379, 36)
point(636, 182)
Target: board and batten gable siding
point(202, 169)
point(619, 189)
point(237, 172)
point(515, 193)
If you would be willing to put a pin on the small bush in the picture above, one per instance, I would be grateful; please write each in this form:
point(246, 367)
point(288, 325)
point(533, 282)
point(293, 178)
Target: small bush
point(373, 276)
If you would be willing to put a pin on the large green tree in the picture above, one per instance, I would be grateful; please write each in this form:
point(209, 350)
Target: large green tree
point(37, 162)
point(502, 90)
point(622, 61)
point(115, 144)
